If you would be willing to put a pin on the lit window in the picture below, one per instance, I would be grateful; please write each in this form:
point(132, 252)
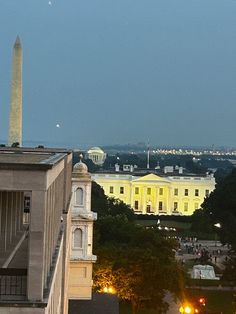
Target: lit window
point(207, 192)
point(121, 190)
point(136, 190)
point(149, 191)
point(136, 205)
point(176, 192)
point(160, 206)
point(79, 196)
point(175, 206)
point(196, 192)
point(185, 207)
point(161, 191)
point(111, 189)
point(78, 238)
point(186, 192)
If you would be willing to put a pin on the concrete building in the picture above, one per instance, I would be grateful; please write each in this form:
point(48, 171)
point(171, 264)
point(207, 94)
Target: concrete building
point(97, 155)
point(82, 218)
point(39, 267)
point(15, 123)
point(35, 191)
point(152, 193)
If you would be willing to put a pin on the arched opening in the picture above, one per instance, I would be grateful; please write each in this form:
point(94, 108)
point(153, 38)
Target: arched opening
point(79, 196)
point(78, 234)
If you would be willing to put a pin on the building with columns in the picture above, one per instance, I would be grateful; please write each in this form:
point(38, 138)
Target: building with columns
point(82, 219)
point(45, 231)
point(154, 193)
point(35, 190)
point(97, 155)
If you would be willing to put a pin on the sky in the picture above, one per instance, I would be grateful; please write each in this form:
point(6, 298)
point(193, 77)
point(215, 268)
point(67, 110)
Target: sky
point(122, 71)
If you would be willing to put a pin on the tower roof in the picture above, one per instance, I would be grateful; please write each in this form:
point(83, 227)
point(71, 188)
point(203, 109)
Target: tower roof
point(17, 42)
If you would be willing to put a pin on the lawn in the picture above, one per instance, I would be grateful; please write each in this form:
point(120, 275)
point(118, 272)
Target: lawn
point(165, 223)
point(216, 301)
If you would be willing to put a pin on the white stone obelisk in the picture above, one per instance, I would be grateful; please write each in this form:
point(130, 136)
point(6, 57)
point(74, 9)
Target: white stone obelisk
point(15, 125)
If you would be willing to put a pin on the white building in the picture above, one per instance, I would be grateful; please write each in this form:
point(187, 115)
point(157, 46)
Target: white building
point(156, 194)
point(97, 155)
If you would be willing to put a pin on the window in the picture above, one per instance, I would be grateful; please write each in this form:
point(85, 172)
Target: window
point(186, 192)
point(161, 191)
point(136, 205)
point(111, 189)
point(149, 191)
point(207, 192)
point(79, 196)
point(136, 190)
point(176, 192)
point(121, 190)
point(196, 206)
point(160, 206)
point(196, 192)
point(26, 204)
point(185, 207)
point(148, 208)
point(78, 238)
point(175, 206)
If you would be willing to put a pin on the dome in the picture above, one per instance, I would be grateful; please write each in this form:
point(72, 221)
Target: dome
point(95, 150)
point(80, 167)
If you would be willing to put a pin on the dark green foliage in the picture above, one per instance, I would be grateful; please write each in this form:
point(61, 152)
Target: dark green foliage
point(220, 207)
point(15, 144)
point(136, 261)
point(202, 222)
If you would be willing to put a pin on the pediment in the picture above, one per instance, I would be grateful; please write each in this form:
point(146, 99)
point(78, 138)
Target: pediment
point(151, 177)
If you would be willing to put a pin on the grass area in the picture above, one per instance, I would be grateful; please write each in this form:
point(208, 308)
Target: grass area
point(125, 308)
point(216, 301)
point(165, 223)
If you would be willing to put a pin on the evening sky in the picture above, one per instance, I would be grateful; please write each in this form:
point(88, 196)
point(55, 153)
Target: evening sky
point(122, 71)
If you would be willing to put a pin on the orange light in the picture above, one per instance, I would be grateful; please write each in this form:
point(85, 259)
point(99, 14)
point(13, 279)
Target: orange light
point(187, 309)
point(202, 301)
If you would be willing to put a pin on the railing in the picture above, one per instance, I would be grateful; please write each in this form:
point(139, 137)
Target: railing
point(13, 284)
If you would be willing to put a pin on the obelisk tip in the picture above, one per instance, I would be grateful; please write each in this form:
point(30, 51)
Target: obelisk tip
point(17, 42)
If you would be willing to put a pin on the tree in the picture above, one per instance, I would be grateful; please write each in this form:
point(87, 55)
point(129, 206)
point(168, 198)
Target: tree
point(137, 262)
point(220, 206)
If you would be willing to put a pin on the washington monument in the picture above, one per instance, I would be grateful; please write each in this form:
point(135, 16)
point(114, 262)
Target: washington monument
point(15, 125)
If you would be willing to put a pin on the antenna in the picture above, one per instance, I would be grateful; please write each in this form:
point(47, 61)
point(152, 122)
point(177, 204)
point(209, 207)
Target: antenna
point(148, 155)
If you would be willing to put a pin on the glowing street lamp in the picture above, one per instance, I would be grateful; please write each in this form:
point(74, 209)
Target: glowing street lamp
point(110, 290)
point(217, 225)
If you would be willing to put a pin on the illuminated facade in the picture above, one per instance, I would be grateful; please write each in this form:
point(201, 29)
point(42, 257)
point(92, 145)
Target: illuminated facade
point(82, 219)
point(154, 194)
point(97, 155)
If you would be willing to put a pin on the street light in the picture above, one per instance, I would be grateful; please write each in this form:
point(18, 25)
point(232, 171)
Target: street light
point(110, 290)
point(217, 225)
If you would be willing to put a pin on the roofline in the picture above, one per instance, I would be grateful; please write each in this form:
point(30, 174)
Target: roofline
point(44, 165)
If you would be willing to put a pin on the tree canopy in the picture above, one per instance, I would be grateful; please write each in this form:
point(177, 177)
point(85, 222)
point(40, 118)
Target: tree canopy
point(220, 207)
point(137, 262)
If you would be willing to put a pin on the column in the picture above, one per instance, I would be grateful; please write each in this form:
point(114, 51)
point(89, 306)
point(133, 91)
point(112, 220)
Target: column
point(36, 246)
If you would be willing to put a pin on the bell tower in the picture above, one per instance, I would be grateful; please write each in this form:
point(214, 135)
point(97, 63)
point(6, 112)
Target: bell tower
point(82, 219)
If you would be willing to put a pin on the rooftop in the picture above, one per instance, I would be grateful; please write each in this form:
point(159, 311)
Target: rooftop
point(30, 158)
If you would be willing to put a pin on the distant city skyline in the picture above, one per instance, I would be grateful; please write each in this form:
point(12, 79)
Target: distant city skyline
point(103, 73)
